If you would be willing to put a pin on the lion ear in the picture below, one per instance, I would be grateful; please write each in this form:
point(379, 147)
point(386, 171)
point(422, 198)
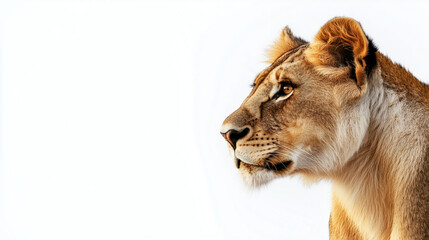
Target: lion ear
point(342, 41)
point(284, 43)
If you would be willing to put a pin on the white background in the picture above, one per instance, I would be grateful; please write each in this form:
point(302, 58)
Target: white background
point(110, 115)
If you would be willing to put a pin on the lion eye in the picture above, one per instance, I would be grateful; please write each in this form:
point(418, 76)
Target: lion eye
point(287, 89)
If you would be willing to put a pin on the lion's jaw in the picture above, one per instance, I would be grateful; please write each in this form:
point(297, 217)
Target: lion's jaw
point(315, 153)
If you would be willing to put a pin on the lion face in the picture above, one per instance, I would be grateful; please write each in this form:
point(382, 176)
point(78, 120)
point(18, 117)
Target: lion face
point(302, 116)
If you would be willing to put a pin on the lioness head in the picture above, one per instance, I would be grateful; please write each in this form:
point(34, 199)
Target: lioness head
point(308, 111)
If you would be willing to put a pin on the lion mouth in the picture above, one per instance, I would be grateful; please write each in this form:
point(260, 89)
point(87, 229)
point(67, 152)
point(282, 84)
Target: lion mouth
point(279, 166)
point(237, 162)
point(269, 166)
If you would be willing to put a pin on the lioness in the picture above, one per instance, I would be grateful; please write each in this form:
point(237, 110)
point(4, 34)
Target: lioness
point(338, 109)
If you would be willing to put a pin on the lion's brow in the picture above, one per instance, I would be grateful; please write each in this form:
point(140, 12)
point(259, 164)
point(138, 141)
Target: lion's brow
point(261, 76)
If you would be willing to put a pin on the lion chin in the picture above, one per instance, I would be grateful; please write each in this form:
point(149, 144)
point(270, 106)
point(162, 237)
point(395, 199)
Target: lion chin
point(256, 176)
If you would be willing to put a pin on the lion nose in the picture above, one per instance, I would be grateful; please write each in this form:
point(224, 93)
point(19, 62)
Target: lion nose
point(232, 136)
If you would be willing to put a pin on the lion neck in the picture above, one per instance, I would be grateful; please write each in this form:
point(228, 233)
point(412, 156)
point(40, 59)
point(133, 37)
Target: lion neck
point(390, 154)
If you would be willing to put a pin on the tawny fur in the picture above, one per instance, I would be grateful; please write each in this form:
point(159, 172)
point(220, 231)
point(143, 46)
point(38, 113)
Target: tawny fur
point(366, 130)
point(285, 42)
point(383, 190)
point(336, 36)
